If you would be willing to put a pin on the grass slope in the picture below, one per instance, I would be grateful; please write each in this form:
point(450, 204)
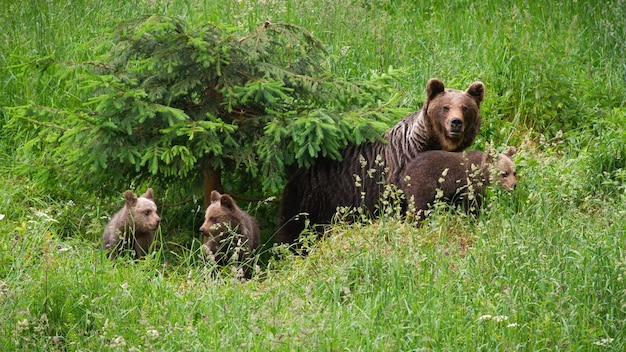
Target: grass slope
point(542, 268)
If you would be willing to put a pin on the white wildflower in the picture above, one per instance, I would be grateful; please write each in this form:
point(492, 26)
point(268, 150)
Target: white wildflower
point(604, 341)
point(108, 325)
point(357, 180)
point(118, 342)
point(42, 324)
point(152, 333)
point(362, 161)
point(497, 318)
point(44, 217)
point(4, 289)
point(23, 325)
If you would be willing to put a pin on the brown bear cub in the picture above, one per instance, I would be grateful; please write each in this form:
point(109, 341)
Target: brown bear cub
point(457, 178)
point(132, 228)
point(229, 232)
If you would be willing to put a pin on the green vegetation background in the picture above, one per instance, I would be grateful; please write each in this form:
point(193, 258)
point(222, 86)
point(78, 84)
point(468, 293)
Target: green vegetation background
point(541, 269)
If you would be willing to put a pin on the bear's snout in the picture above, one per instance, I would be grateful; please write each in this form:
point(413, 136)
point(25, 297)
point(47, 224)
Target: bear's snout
point(456, 125)
point(509, 186)
point(155, 223)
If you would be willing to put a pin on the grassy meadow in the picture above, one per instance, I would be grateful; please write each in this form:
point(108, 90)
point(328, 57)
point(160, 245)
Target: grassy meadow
point(542, 269)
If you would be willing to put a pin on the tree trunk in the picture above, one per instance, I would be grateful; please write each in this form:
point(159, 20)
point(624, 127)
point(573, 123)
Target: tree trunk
point(212, 181)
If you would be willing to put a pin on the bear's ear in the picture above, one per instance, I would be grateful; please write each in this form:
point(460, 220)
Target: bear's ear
point(215, 196)
point(433, 88)
point(509, 152)
point(486, 159)
point(490, 156)
point(477, 91)
point(131, 198)
point(228, 202)
point(148, 194)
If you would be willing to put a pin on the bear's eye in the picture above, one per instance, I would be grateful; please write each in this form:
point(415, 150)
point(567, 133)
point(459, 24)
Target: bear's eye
point(465, 109)
point(213, 219)
point(146, 212)
point(504, 174)
point(446, 108)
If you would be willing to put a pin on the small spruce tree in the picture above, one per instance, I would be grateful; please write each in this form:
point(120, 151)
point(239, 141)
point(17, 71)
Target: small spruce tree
point(174, 102)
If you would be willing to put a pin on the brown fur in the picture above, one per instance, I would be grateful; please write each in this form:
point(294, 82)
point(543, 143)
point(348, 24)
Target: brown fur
point(132, 228)
point(458, 178)
point(227, 228)
point(449, 120)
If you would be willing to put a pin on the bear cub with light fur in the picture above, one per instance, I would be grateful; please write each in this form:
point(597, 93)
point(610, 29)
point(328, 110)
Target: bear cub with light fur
point(457, 178)
point(132, 228)
point(229, 232)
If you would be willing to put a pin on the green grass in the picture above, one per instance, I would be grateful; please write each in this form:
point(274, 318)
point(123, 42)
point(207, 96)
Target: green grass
point(542, 268)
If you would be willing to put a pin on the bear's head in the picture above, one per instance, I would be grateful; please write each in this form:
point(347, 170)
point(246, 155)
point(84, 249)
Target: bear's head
point(221, 216)
point(502, 168)
point(453, 115)
point(143, 211)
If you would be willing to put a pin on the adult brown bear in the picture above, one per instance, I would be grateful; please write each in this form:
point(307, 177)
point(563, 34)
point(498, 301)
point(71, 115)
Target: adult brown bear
point(448, 120)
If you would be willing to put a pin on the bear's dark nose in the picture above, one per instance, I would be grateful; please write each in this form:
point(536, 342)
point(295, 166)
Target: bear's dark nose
point(457, 124)
point(201, 230)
